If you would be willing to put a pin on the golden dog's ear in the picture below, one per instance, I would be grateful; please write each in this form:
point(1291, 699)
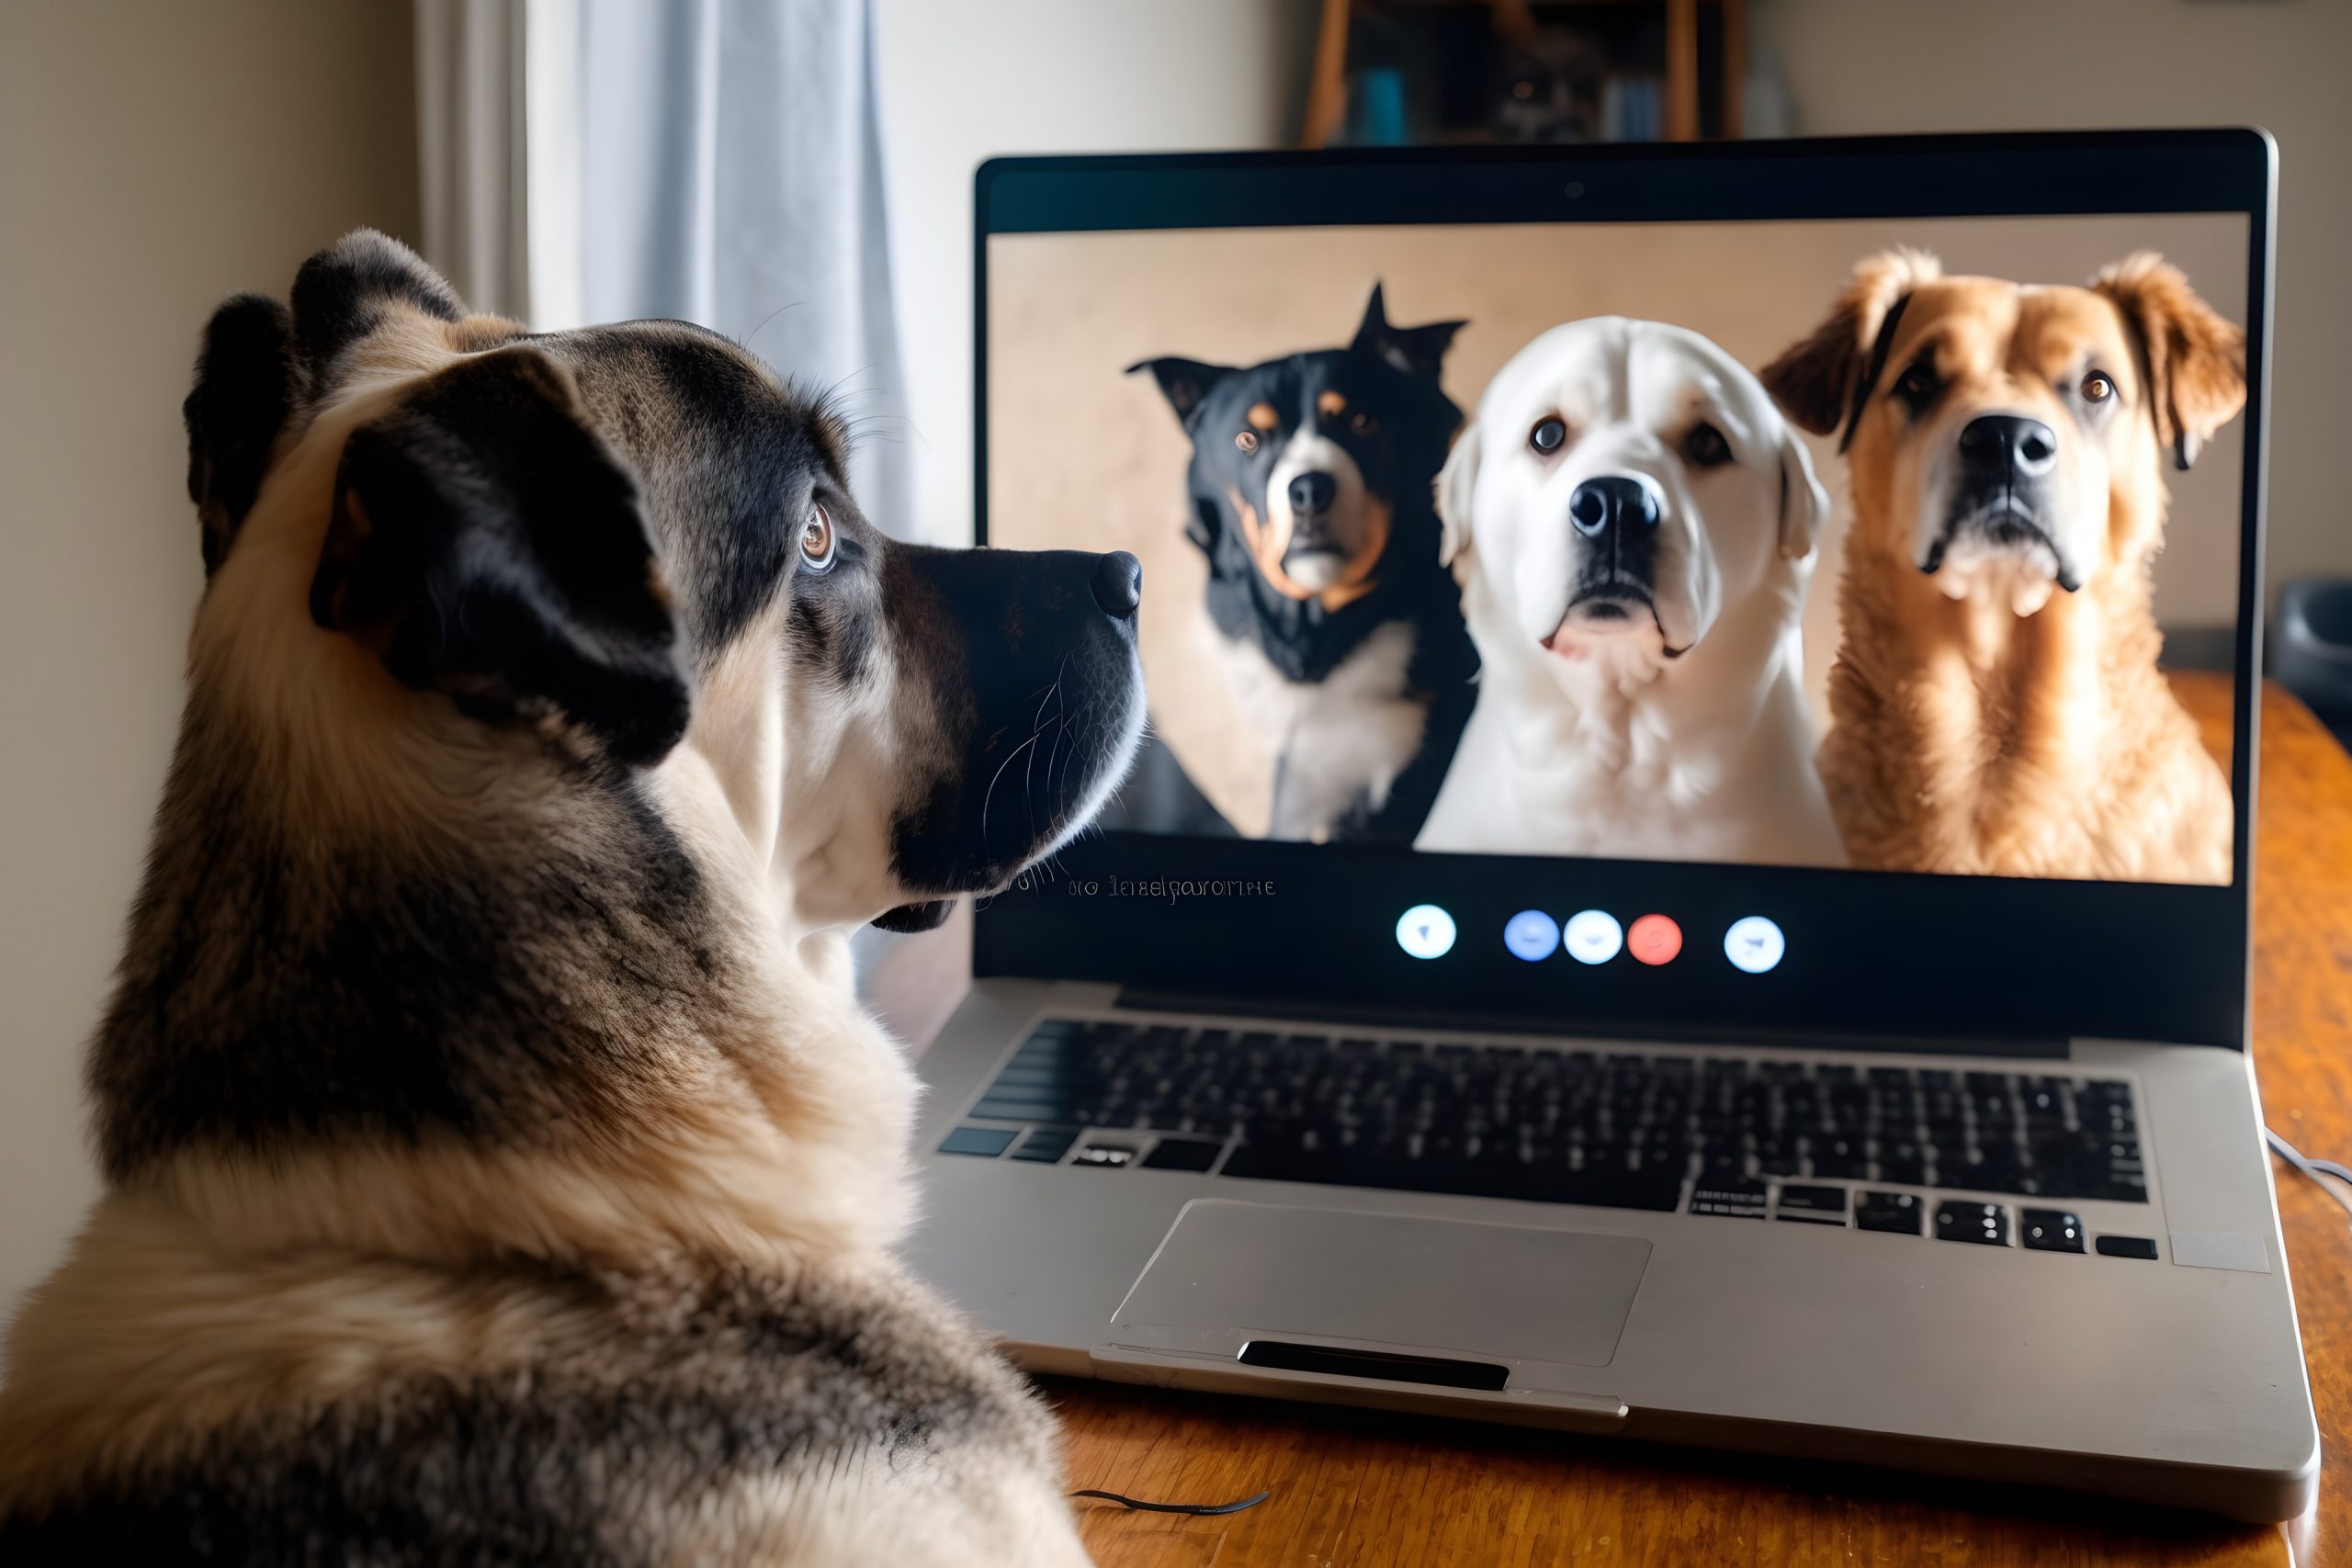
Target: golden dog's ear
point(1457, 484)
point(1825, 381)
point(1804, 505)
point(2196, 359)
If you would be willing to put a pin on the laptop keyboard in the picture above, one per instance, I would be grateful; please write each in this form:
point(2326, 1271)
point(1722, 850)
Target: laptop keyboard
point(1719, 1135)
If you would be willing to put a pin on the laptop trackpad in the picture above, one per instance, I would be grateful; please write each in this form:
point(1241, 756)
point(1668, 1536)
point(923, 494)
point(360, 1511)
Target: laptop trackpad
point(1507, 1292)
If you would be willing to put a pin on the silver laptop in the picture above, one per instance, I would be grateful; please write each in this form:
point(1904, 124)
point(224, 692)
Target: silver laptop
point(1483, 1000)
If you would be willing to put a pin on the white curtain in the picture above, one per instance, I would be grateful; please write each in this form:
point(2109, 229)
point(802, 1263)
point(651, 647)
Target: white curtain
point(714, 160)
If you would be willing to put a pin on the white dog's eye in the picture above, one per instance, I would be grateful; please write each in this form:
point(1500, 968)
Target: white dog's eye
point(817, 540)
point(1551, 433)
point(1705, 446)
point(2097, 387)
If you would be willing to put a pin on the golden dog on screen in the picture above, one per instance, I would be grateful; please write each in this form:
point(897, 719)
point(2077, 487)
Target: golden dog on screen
point(1996, 707)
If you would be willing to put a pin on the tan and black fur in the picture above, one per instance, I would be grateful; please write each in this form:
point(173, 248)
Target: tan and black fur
point(1997, 706)
point(498, 1166)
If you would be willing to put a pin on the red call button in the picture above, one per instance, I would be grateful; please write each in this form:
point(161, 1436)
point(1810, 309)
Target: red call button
point(1654, 938)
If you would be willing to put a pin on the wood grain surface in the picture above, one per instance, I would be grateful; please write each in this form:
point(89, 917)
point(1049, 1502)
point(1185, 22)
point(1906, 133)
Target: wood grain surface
point(1353, 1490)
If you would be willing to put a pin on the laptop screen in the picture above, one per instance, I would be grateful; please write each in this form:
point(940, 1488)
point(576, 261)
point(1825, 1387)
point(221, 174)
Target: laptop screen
point(1855, 545)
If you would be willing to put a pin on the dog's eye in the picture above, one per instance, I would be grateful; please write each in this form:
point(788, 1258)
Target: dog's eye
point(1705, 446)
point(817, 540)
point(1917, 385)
point(1551, 433)
point(1247, 441)
point(1361, 422)
point(2097, 387)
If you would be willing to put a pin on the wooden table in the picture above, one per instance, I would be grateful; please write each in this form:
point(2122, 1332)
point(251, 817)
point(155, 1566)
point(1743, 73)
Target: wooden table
point(1357, 1490)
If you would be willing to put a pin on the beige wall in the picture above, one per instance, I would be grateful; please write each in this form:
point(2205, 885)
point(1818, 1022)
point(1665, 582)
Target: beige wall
point(964, 80)
point(1858, 66)
point(153, 158)
point(1091, 457)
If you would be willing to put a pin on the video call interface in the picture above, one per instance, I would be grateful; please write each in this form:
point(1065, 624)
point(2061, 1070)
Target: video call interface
point(1890, 545)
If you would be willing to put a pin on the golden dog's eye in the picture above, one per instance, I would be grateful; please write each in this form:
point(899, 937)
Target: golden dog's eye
point(817, 540)
point(1248, 441)
point(1917, 385)
point(2097, 387)
point(1705, 446)
point(1551, 433)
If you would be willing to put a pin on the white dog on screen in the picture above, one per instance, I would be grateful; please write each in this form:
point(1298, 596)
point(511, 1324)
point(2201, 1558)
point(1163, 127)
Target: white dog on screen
point(1633, 522)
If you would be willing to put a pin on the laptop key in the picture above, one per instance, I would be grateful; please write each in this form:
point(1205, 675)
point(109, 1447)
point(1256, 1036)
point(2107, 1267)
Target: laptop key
point(2138, 1247)
point(2050, 1230)
point(1044, 1146)
point(1182, 1154)
point(1728, 1200)
point(986, 1142)
point(1817, 1205)
point(1898, 1213)
point(1104, 1156)
point(1984, 1225)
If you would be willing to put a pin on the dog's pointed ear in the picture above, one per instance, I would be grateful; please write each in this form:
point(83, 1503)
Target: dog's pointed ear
point(1457, 485)
point(343, 293)
point(1183, 381)
point(486, 544)
point(248, 380)
point(2194, 357)
point(1824, 382)
point(1804, 504)
point(1417, 351)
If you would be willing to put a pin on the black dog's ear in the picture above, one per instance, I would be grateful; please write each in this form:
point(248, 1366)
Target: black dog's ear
point(1417, 351)
point(1185, 381)
point(1205, 522)
point(486, 544)
point(248, 382)
point(342, 293)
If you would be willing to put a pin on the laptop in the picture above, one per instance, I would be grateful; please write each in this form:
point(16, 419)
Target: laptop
point(1394, 1044)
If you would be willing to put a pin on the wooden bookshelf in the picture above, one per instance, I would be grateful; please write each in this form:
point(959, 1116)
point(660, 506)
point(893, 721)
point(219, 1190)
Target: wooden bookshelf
point(1327, 95)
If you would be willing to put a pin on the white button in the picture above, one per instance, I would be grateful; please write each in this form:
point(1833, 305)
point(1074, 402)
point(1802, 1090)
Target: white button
point(1425, 932)
point(1592, 936)
point(1754, 943)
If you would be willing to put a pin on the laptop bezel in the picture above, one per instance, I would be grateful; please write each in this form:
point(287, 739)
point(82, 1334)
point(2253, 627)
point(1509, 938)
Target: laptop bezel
point(1993, 961)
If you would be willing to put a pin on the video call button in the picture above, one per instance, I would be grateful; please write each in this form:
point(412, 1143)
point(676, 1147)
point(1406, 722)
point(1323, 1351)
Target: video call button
point(1654, 938)
point(1425, 932)
point(1592, 936)
point(1754, 943)
point(1531, 934)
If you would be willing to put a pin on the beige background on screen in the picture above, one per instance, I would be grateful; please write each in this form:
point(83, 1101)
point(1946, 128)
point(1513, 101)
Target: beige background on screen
point(1083, 456)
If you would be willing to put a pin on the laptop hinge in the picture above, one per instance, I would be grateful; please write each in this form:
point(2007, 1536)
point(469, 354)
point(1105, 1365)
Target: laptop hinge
point(1448, 1020)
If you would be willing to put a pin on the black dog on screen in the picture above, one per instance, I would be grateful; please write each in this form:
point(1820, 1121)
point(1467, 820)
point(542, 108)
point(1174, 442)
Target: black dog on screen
point(1310, 495)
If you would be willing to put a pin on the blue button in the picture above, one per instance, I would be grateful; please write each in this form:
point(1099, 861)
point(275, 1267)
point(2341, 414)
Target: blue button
point(1531, 934)
point(1754, 943)
point(1425, 932)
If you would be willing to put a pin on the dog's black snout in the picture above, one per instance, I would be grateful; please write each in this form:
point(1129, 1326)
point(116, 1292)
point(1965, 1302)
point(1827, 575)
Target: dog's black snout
point(1118, 584)
point(1313, 492)
point(2009, 444)
point(1600, 504)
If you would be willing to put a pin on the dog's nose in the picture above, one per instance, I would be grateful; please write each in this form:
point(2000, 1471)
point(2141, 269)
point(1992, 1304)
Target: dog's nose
point(2010, 444)
point(1118, 584)
point(1600, 504)
point(1313, 492)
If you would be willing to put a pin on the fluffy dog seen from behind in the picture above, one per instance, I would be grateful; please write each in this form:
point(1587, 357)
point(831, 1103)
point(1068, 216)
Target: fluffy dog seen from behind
point(498, 1167)
point(1309, 489)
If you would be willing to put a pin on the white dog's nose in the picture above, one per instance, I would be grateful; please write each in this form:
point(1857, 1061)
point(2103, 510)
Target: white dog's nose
point(1600, 504)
